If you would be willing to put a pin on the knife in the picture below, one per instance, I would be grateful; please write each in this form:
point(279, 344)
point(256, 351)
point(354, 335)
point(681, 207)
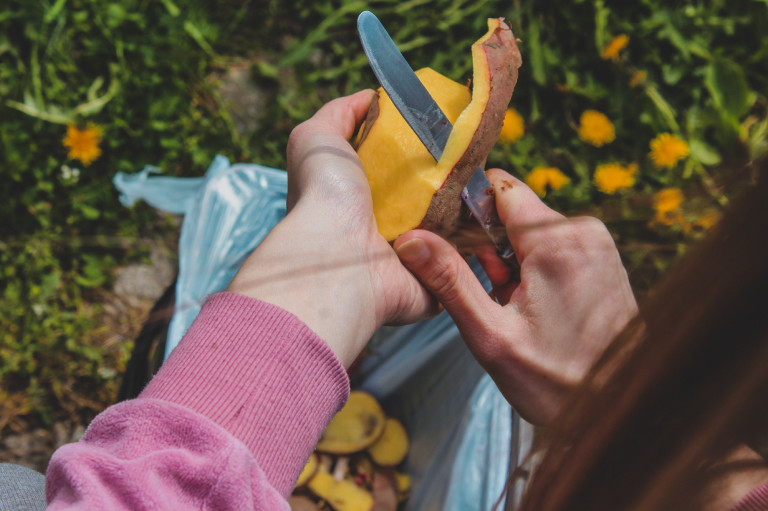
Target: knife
point(430, 124)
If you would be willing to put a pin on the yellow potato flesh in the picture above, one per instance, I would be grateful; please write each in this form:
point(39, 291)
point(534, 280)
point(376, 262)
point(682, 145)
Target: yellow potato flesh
point(392, 446)
point(308, 471)
point(401, 172)
point(356, 426)
point(342, 495)
point(465, 126)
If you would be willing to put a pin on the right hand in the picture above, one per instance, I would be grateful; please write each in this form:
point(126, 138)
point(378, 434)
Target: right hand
point(546, 331)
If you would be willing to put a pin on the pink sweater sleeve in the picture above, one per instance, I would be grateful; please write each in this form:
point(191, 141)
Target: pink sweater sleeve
point(756, 500)
point(228, 422)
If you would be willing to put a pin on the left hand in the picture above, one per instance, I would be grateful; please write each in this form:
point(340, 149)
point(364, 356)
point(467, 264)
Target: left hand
point(546, 330)
point(325, 261)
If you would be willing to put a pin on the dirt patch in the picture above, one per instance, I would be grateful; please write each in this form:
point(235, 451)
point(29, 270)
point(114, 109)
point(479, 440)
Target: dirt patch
point(33, 449)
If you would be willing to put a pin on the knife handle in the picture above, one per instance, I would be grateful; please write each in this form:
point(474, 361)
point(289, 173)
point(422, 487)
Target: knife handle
point(498, 235)
point(480, 198)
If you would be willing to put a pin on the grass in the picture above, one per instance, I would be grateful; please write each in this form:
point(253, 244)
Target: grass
point(149, 74)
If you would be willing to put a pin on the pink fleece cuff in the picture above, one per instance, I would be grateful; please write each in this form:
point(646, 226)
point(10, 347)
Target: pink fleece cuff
point(260, 373)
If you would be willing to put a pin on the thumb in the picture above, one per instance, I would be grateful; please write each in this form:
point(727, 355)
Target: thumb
point(447, 276)
point(321, 144)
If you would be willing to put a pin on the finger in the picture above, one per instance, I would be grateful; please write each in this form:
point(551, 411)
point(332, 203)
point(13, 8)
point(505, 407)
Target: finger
point(344, 114)
point(413, 303)
point(499, 273)
point(445, 274)
point(337, 119)
point(319, 153)
point(520, 210)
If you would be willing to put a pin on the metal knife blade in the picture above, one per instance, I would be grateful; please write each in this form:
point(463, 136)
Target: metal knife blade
point(428, 121)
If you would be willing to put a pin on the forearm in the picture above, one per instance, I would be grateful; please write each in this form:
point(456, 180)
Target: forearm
point(325, 289)
point(248, 378)
point(260, 373)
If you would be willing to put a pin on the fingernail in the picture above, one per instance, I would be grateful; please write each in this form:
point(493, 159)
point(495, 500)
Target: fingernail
point(413, 251)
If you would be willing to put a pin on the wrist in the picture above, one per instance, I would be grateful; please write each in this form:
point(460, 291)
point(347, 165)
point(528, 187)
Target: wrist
point(314, 274)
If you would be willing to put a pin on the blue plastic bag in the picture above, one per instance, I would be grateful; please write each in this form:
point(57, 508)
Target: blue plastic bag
point(227, 214)
point(462, 429)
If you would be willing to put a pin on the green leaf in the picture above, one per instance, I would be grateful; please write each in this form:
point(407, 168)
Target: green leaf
point(757, 139)
point(665, 109)
point(93, 273)
point(171, 7)
point(89, 212)
point(195, 33)
point(601, 20)
point(536, 53)
point(96, 104)
point(54, 11)
point(116, 15)
point(672, 73)
point(671, 33)
point(726, 83)
point(705, 154)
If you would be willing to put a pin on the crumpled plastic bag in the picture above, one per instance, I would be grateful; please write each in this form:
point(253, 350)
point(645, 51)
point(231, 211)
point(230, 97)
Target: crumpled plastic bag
point(462, 429)
point(227, 214)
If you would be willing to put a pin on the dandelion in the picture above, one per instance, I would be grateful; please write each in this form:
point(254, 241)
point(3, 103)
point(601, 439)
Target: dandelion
point(614, 46)
point(707, 220)
point(611, 177)
point(666, 204)
point(595, 128)
point(542, 179)
point(668, 199)
point(638, 78)
point(83, 144)
point(513, 127)
point(667, 150)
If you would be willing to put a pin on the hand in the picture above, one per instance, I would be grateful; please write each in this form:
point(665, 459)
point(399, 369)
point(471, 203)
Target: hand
point(325, 261)
point(546, 331)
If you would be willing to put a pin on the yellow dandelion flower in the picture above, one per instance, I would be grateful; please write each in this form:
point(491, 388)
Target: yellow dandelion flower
point(595, 128)
point(611, 177)
point(668, 199)
point(666, 204)
point(638, 78)
point(614, 46)
point(513, 127)
point(83, 144)
point(542, 179)
point(707, 220)
point(667, 150)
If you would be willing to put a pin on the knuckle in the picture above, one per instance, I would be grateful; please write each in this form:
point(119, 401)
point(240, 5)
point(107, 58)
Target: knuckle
point(575, 242)
point(593, 228)
point(586, 234)
point(595, 237)
point(296, 136)
point(444, 278)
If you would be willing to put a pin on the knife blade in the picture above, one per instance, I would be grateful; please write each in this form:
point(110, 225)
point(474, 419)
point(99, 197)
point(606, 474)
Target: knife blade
point(430, 124)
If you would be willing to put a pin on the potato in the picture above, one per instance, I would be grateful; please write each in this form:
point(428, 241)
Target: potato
point(409, 189)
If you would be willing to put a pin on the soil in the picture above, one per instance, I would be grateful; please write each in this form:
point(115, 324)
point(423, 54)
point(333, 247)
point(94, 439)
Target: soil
point(33, 449)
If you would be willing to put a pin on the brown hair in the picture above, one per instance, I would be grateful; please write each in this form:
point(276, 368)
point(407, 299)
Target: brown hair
point(681, 386)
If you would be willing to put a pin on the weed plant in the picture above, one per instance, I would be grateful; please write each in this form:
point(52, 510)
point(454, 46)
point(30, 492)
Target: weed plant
point(145, 76)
